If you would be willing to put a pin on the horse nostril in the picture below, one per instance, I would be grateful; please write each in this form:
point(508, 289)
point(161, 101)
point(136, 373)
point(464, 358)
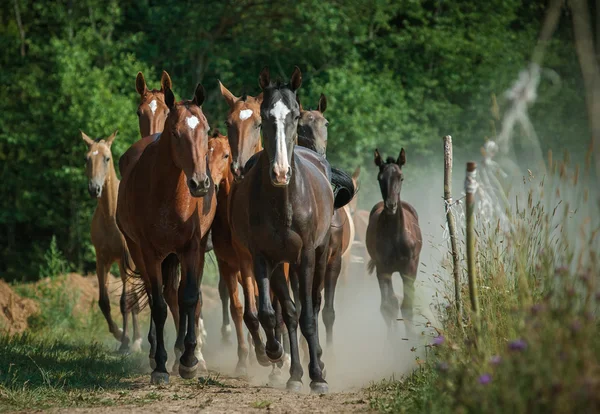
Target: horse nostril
point(206, 182)
point(193, 183)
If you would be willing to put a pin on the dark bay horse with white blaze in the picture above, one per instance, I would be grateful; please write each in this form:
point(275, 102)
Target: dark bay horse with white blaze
point(166, 205)
point(281, 212)
point(107, 239)
point(394, 241)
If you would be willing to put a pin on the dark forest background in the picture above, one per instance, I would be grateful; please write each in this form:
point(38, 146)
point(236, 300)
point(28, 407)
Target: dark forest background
point(395, 73)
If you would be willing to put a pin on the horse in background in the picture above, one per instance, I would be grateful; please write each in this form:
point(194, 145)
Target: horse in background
point(312, 133)
point(394, 241)
point(166, 205)
point(107, 239)
point(281, 212)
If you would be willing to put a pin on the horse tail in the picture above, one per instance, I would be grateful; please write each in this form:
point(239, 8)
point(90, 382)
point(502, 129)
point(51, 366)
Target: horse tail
point(136, 295)
point(371, 266)
point(170, 271)
point(343, 187)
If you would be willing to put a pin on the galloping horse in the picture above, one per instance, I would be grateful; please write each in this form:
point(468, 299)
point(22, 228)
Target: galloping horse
point(166, 205)
point(281, 212)
point(234, 260)
point(107, 239)
point(394, 241)
point(312, 133)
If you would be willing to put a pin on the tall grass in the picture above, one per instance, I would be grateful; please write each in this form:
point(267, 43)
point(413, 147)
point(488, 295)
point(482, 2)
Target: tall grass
point(538, 349)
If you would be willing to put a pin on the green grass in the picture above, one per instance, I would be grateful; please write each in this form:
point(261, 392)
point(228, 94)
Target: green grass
point(39, 371)
point(538, 349)
point(261, 404)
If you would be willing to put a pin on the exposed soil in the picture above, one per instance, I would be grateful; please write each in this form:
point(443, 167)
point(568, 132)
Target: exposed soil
point(14, 310)
point(221, 395)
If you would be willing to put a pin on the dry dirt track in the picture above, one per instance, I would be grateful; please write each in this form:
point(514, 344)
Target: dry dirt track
point(225, 395)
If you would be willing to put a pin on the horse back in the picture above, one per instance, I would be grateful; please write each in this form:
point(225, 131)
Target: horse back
point(133, 154)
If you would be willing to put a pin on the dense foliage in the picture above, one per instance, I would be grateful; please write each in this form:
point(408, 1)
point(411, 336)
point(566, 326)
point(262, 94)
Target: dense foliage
point(395, 73)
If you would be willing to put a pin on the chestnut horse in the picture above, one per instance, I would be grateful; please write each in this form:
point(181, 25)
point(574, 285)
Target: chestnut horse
point(394, 241)
point(312, 133)
point(281, 212)
point(234, 260)
point(166, 205)
point(107, 239)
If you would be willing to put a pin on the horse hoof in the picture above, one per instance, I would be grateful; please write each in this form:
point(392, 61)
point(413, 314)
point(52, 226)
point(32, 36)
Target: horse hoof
point(241, 371)
point(263, 359)
point(319, 388)
point(158, 378)
point(275, 356)
point(136, 346)
point(294, 386)
point(152, 363)
point(124, 349)
point(188, 372)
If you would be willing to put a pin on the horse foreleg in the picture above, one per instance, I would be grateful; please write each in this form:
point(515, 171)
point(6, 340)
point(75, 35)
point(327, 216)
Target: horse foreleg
point(266, 313)
point(408, 301)
point(306, 273)
point(102, 268)
point(170, 276)
point(290, 317)
point(230, 276)
point(332, 275)
point(389, 302)
point(250, 309)
point(159, 317)
point(124, 309)
point(224, 295)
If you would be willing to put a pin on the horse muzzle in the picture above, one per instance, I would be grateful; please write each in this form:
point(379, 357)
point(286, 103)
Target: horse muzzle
point(95, 190)
point(199, 186)
point(391, 208)
point(280, 177)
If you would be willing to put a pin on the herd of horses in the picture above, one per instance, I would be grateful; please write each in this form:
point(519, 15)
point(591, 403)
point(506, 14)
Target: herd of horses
point(281, 220)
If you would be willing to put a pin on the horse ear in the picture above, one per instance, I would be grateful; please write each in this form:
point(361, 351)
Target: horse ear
point(299, 104)
point(229, 97)
point(169, 98)
point(401, 158)
point(356, 173)
point(296, 79)
point(86, 139)
point(378, 161)
point(110, 139)
point(259, 98)
point(264, 79)
point(140, 84)
point(165, 81)
point(199, 95)
point(322, 104)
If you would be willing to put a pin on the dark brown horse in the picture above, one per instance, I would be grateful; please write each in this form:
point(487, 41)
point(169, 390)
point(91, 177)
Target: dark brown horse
point(234, 260)
point(107, 239)
point(166, 205)
point(281, 212)
point(394, 241)
point(312, 133)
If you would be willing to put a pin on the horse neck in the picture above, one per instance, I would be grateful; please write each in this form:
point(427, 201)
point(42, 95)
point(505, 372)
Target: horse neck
point(280, 196)
point(108, 201)
point(167, 174)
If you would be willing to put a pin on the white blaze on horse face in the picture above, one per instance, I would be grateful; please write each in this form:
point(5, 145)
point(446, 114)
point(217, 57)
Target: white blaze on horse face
point(281, 164)
point(192, 121)
point(95, 152)
point(245, 114)
point(152, 106)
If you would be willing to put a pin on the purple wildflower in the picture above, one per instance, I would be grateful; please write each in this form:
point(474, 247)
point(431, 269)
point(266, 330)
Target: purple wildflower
point(438, 340)
point(575, 326)
point(517, 345)
point(495, 360)
point(485, 379)
point(442, 366)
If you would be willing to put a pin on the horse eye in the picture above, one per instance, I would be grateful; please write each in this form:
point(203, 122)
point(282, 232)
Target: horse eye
point(226, 156)
point(326, 124)
point(258, 126)
point(106, 159)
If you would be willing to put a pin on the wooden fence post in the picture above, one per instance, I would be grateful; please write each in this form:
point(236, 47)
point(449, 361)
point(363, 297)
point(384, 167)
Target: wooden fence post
point(470, 188)
point(452, 224)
